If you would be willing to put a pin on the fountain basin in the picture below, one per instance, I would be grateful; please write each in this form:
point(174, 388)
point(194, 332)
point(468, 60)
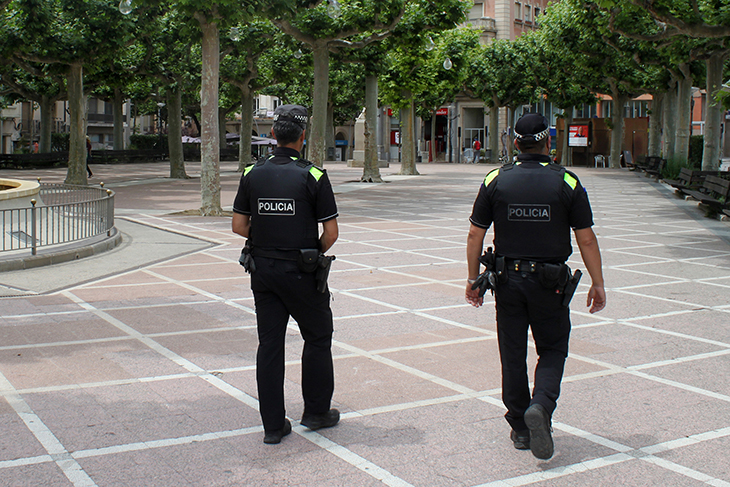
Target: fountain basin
point(17, 193)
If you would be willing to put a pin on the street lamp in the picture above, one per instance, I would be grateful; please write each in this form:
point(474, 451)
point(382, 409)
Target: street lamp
point(125, 7)
point(430, 44)
point(333, 9)
point(159, 121)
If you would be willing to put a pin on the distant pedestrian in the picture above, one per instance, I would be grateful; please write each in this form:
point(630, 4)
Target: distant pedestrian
point(35, 147)
point(477, 146)
point(88, 155)
point(533, 205)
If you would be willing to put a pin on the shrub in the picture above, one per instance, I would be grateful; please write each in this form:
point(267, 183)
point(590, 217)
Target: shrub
point(696, 145)
point(148, 142)
point(59, 142)
point(672, 168)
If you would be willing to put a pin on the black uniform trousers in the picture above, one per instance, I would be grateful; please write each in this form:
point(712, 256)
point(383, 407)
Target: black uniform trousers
point(280, 290)
point(522, 303)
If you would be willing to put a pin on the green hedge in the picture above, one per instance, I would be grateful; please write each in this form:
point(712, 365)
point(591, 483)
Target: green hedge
point(696, 145)
point(59, 142)
point(148, 142)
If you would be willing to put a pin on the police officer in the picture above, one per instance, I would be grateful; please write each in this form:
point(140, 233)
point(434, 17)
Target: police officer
point(533, 204)
point(280, 201)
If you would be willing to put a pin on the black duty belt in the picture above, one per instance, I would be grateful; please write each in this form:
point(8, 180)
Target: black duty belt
point(292, 255)
point(519, 265)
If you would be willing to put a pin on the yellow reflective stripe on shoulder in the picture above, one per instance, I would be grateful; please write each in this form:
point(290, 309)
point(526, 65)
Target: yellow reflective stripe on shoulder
point(316, 172)
point(247, 169)
point(544, 164)
point(570, 180)
point(492, 174)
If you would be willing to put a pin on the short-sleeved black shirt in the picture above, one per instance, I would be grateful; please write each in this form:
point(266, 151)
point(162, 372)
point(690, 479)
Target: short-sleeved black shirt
point(533, 205)
point(286, 197)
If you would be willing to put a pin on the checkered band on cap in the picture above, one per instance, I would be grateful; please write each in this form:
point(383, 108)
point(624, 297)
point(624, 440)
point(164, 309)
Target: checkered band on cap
point(537, 136)
point(533, 126)
point(291, 113)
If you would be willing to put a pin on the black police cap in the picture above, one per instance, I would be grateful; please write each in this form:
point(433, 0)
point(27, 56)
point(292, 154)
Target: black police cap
point(532, 126)
point(291, 113)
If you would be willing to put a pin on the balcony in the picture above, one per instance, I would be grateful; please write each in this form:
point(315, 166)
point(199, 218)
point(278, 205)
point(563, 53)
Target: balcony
point(485, 24)
point(105, 118)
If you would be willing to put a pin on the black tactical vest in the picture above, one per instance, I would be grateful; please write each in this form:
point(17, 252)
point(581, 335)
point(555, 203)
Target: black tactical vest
point(531, 213)
point(283, 204)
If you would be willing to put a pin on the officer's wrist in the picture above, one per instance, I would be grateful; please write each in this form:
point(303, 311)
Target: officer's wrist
point(471, 281)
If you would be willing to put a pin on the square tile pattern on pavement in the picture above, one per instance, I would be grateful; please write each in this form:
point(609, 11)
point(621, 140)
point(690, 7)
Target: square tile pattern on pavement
point(147, 376)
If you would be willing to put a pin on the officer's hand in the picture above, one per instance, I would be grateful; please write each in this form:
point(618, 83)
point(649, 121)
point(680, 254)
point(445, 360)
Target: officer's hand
point(472, 296)
point(596, 299)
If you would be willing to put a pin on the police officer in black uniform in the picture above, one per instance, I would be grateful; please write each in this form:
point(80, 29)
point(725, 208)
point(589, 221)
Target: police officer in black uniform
point(280, 202)
point(533, 204)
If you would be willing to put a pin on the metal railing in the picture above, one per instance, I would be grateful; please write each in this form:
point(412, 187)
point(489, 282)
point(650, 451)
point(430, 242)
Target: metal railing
point(65, 213)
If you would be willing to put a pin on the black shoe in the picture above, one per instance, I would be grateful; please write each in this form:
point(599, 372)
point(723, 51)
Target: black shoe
point(521, 439)
point(317, 421)
point(537, 420)
point(274, 437)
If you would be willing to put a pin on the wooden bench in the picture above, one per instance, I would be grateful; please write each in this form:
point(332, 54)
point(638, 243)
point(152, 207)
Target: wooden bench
point(33, 161)
point(647, 162)
point(715, 192)
point(640, 161)
point(654, 166)
point(229, 154)
point(126, 156)
point(689, 179)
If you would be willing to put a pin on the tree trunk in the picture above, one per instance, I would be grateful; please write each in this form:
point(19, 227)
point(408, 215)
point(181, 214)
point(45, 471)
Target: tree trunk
point(370, 171)
point(76, 173)
point(222, 140)
point(511, 133)
point(47, 105)
point(210, 188)
point(494, 134)
point(565, 158)
point(244, 152)
point(669, 126)
point(617, 132)
point(408, 139)
point(684, 115)
point(118, 120)
point(713, 113)
point(316, 141)
point(655, 125)
point(174, 132)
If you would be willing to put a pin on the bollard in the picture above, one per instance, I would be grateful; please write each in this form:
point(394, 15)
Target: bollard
point(109, 194)
point(33, 248)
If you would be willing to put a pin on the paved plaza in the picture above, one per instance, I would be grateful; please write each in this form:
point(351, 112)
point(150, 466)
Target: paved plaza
point(136, 367)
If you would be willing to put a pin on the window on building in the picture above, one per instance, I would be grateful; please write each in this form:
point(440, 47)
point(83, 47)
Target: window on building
point(518, 11)
point(606, 107)
point(527, 12)
point(477, 11)
point(276, 103)
point(93, 104)
point(537, 14)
